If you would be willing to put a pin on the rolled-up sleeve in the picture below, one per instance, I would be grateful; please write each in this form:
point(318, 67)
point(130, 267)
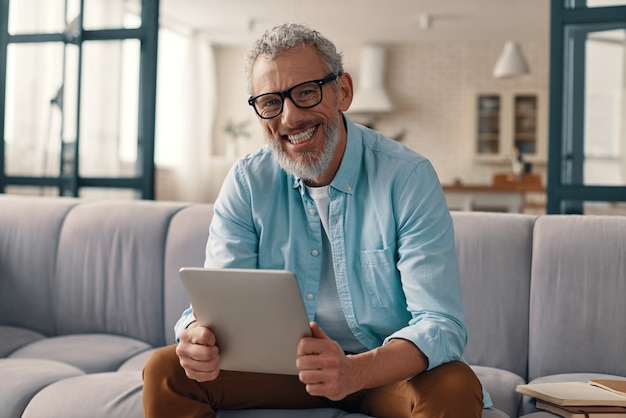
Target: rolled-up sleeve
point(429, 271)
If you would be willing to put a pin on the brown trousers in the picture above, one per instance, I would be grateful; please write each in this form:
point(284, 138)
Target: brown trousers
point(451, 390)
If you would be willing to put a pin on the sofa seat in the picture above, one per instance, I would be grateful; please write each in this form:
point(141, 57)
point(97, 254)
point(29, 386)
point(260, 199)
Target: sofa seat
point(91, 353)
point(289, 413)
point(99, 395)
point(136, 362)
point(12, 338)
point(319, 413)
point(500, 384)
point(22, 379)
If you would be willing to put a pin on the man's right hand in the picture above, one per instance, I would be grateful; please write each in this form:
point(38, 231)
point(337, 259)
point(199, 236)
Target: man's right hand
point(198, 354)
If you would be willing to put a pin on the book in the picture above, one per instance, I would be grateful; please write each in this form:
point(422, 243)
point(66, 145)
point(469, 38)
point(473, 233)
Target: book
point(613, 385)
point(572, 394)
point(583, 411)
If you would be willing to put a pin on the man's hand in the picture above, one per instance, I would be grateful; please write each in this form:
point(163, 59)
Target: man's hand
point(327, 371)
point(198, 354)
point(324, 367)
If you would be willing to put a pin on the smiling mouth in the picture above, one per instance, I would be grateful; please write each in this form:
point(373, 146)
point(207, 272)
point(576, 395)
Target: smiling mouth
point(302, 136)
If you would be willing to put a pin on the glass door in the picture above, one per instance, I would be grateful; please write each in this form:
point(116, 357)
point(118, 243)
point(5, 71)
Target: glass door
point(525, 123)
point(77, 97)
point(488, 135)
point(587, 151)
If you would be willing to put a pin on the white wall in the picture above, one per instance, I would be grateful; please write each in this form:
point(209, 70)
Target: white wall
point(233, 102)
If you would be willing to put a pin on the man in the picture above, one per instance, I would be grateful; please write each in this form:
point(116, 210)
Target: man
point(363, 224)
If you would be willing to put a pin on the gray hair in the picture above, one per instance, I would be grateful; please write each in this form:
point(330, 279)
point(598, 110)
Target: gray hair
point(289, 36)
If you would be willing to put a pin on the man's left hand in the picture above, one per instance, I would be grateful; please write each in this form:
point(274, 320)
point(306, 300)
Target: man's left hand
point(324, 367)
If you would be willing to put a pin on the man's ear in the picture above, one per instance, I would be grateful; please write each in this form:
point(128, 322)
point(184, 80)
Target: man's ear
point(345, 91)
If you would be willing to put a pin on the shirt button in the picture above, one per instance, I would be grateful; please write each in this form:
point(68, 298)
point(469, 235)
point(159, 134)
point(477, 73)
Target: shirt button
point(312, 211)
point(315, 253)
point(310, 296)
point(349, 188)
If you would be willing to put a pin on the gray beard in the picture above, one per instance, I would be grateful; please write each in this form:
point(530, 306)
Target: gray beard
point(309, 166)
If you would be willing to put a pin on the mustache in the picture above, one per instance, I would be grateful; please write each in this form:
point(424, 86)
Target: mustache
point(302, 126)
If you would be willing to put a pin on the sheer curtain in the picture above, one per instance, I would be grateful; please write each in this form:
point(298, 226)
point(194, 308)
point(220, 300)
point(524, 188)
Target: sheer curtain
point(186, 103)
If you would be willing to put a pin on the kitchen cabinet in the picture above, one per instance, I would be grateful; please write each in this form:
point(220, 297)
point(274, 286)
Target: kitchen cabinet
point(510, 121)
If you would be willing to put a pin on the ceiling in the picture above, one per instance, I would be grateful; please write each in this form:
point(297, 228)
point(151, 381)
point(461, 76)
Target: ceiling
point(362, 21)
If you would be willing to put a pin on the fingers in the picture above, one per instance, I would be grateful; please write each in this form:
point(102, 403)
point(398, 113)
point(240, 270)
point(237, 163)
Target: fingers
point(329, 382)
point(318, 352)
point(323, 366)
point(200, 370)
point(197, 334)
point(318, 343)
point(317, 332)
point(317, 362)
point(198, 355)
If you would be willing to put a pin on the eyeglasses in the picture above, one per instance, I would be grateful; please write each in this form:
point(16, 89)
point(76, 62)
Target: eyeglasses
point(303, 95)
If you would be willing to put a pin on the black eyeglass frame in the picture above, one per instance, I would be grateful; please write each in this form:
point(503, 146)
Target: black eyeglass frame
point(287, 94)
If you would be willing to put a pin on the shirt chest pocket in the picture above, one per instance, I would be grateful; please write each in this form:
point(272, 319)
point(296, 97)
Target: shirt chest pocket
point(379, 274)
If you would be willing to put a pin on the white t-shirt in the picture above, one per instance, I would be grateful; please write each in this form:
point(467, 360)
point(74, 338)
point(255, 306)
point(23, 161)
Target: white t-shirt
point(328, 313)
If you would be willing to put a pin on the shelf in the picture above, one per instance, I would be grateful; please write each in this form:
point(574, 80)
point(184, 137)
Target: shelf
point(507, 120)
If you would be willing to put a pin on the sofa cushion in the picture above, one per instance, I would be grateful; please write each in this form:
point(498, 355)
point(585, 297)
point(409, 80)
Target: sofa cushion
point(29, 236)
point(90, 353)
point(106, 395)
point(110, 269)
point(493, 413)
point(494, 253)
point(101, 395)
point(185, 247)
point(319, 413)
point(289, 413)
point(22, 379)
point(136, 362)
point(12, 338)
point(501, 387)
point(577, 295)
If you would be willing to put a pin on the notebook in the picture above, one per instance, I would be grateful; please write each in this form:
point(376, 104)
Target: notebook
point(572, 394)
point(257, 316)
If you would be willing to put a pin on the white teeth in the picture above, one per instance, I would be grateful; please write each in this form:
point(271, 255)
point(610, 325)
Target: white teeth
point(302, 136)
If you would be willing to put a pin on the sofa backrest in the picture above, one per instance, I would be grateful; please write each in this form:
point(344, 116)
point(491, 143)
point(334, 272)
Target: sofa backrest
point(77, 266)
point(109, 272)
point(29, 238)
point(494, 252)
point(578, 295)
point(186, 243)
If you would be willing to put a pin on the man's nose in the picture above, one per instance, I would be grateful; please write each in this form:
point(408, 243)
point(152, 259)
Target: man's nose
point(291, 113)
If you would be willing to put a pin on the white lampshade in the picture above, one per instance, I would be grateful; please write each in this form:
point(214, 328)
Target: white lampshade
point(511, 62)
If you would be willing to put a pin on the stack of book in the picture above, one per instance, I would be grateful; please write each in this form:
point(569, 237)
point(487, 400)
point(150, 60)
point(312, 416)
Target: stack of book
point(598, 398)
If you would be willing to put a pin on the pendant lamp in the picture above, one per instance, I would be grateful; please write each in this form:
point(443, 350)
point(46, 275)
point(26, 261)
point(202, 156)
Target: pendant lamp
point(511, 62)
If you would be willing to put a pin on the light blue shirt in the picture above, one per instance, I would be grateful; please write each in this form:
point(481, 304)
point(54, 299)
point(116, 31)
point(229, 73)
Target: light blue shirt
point(391, 236)
point(390, 233)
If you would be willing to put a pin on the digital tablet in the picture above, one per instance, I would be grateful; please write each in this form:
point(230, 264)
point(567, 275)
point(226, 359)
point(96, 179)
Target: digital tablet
point(257, 316)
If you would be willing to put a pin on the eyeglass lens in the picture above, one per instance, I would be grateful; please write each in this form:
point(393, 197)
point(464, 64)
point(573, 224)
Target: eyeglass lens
point(303, 95)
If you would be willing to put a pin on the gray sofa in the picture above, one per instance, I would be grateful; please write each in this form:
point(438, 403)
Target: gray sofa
point(89, 288)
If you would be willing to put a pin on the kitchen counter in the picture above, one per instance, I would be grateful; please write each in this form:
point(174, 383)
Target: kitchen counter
point(507, 193)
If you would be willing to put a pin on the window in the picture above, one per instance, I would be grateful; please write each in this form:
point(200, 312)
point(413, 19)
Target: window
point(587, 145)
point(78, 93)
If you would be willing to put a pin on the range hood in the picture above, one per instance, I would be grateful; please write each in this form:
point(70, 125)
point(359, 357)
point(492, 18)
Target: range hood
point(371, 96)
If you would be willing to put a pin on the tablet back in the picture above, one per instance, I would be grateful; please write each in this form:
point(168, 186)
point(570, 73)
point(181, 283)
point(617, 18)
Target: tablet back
point(257, 316)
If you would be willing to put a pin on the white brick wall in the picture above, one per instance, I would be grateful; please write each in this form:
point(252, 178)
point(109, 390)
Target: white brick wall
point(432, 87)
